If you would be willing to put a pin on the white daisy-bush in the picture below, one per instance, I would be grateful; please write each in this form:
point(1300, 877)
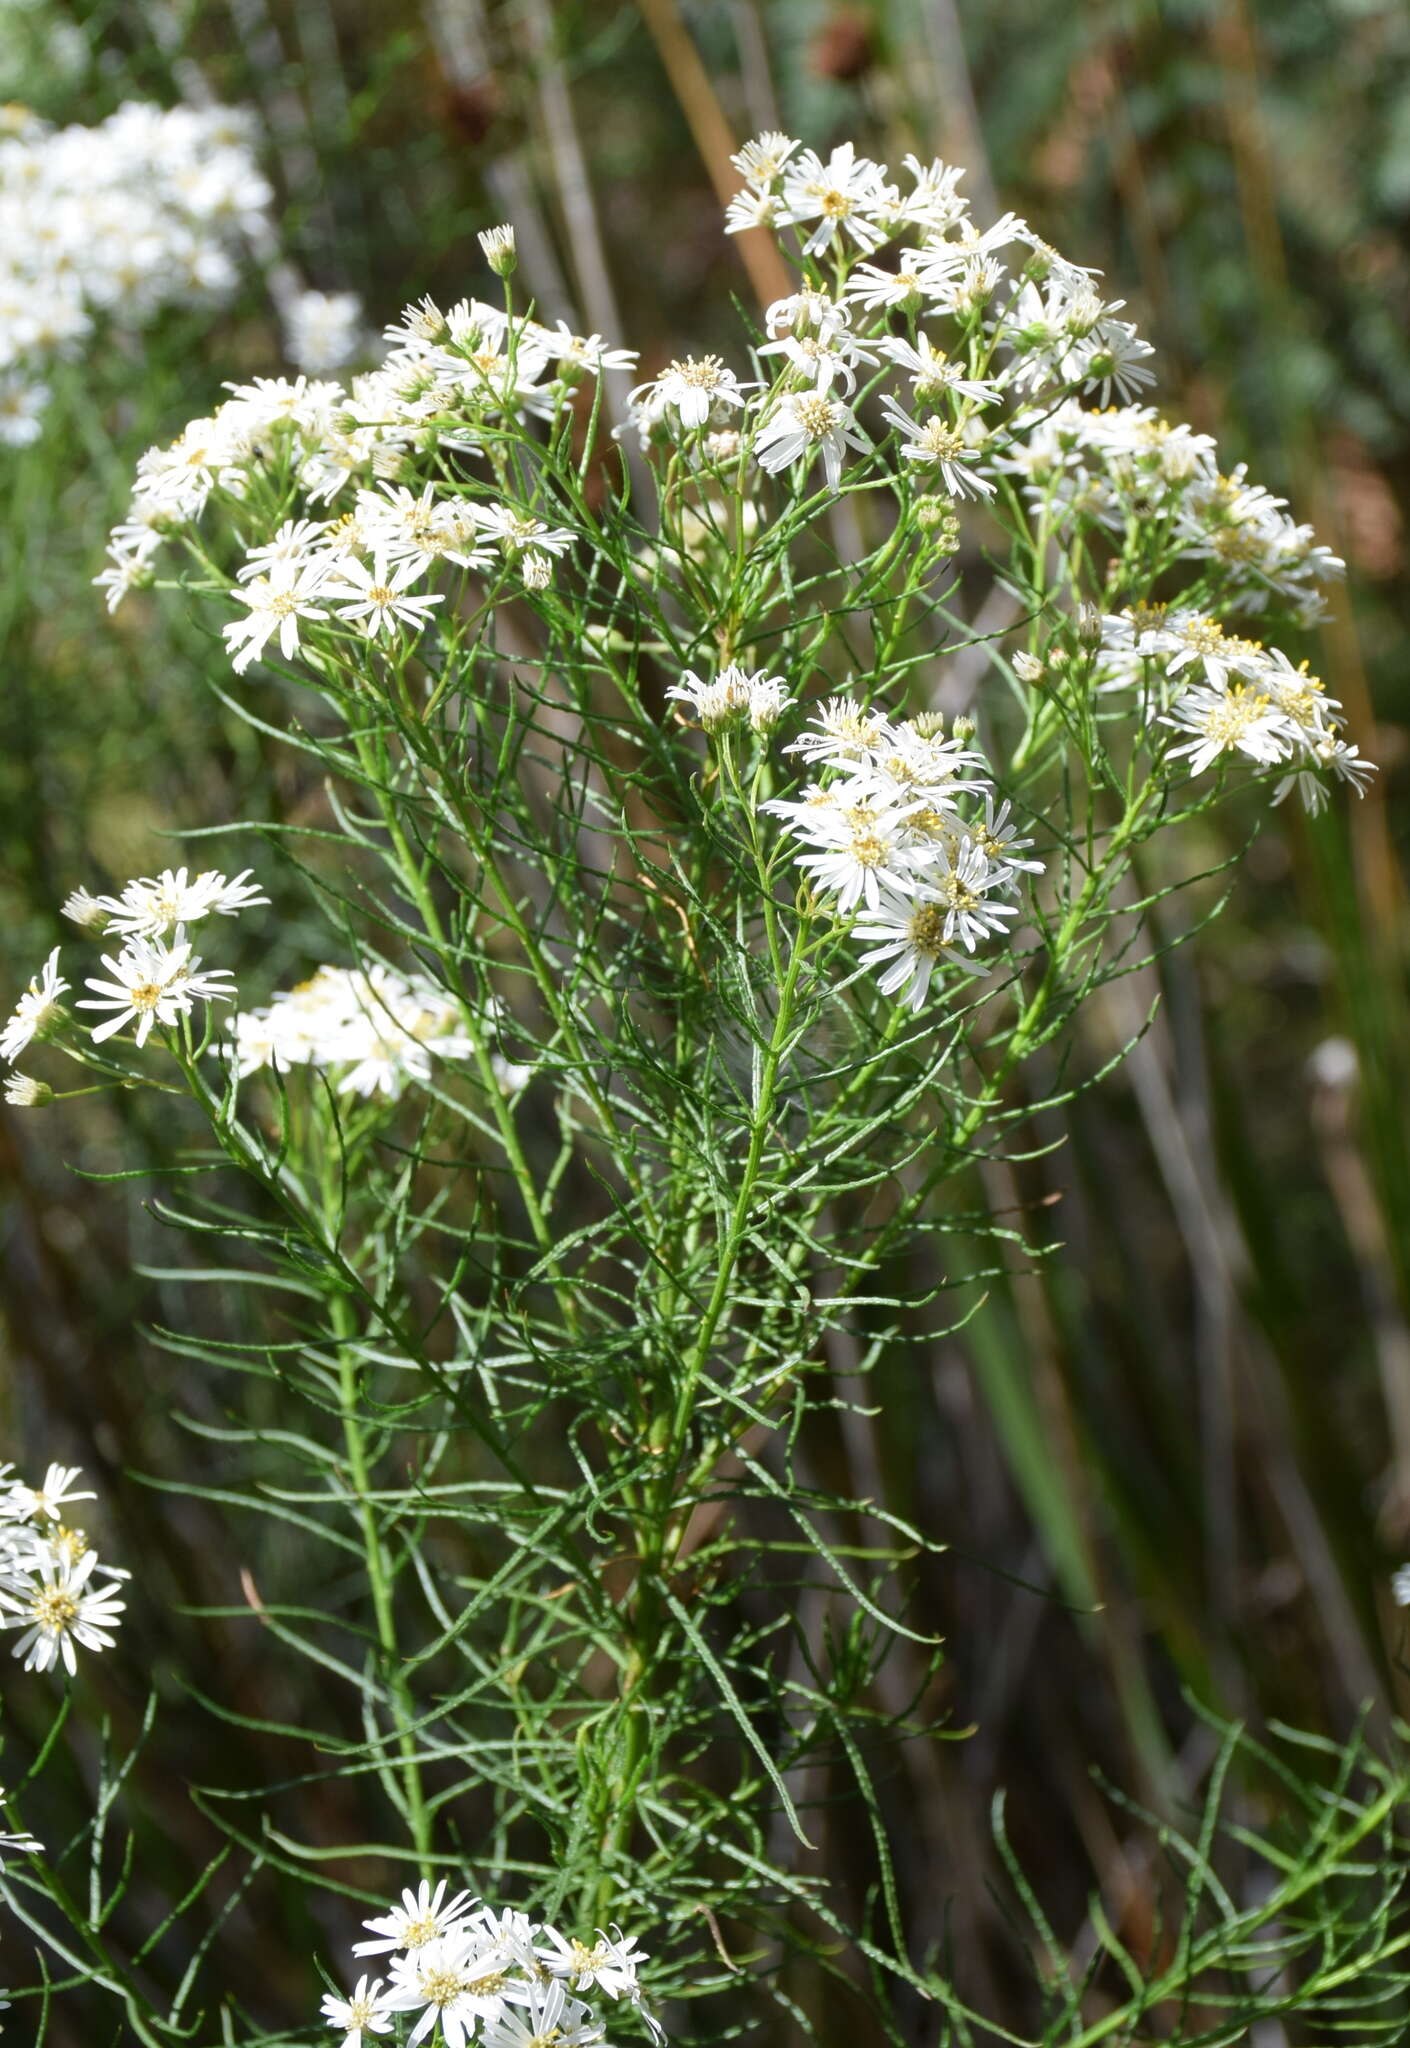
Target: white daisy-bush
point(105, 227)
point(702, 864)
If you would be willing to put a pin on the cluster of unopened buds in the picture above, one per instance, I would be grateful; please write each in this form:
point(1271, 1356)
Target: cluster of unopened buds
point(477, 1975)
point(53, 1585)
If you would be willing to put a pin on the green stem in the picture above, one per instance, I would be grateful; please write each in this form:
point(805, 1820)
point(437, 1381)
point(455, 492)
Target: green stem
point(379, 1580)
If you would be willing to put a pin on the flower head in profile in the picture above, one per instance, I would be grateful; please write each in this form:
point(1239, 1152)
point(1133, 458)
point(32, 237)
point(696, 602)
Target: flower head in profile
point(154, 904)
point(499, 248)
point(422, 1916)
point(734, 697)
point(18, 1843)
point(549, 2018)
point(36, 1010)
point(47, 1501)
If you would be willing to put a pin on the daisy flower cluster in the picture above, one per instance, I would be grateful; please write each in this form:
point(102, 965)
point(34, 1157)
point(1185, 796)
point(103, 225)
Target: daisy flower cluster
point(113, 223)
point(153, 977)
point(460, 1972)
point(902, 832)
point(1128, 463)
point(375, 1029)
point(1021, 327)
point(356, 454)
point(1227, 697)
point(53, 1586)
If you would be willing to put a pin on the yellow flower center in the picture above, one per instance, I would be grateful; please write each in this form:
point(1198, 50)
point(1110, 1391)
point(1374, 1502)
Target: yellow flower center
point(927, 929)
point(440, 1987)
point(1235, 715)
point(53, 1608)
point(701, 372)
point(816, 416)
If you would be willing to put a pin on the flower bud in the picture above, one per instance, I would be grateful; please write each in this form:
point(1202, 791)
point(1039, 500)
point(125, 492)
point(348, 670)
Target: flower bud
point(23, 1093)
point(86, 910)
point(501, 252)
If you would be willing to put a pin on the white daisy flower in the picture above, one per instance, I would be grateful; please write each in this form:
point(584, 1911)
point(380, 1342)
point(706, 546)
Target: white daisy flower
point(275, 603)
point(155, 904)
point(549, 2019)
point(845, 733)
point(855, 848)
point(909, 933)
point(762, 161)
point(59, 1609)
point(153, 983)
point(823, 358)
point(691, 387)
point(294, 541)
point(422, 1916)
point(959, 885)
point(999, 846)
point(935, 443)
point(802, 425)
point(847, 193)
point(458, 1981)
point(610, 1965)
point(46, 1501)
point(36, 1009)
point(378, 599)
point(809, 310)
point(874, 288)
point(1240, 720)
point(366, 2012)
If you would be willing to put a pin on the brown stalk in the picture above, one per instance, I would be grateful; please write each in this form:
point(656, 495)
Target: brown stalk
point(768, 273)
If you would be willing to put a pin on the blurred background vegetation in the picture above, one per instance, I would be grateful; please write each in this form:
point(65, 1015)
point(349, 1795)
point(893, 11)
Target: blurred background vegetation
point(1173, 1455)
